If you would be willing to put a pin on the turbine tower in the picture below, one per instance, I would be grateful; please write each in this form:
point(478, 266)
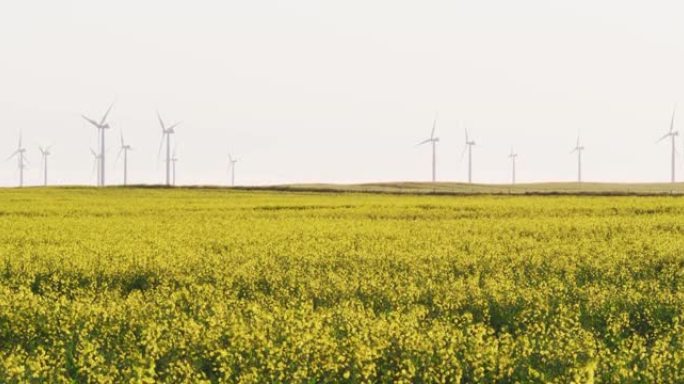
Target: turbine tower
point(433, 140)
point(513, 156)
point(231, 166)
point(469, 145)
point(579, 148)
point(101, 126)
point(672, 134)
point(173, 163)
point(20, 153)
point(96, 164)
point(166, 134)
point(45, 152)
point(124, 149)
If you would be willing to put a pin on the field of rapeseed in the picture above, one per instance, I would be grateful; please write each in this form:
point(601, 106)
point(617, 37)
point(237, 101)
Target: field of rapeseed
point(147, 285)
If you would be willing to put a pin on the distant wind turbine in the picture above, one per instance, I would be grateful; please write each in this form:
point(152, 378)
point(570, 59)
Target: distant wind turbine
point(45, 152)
point(513, 156)
point(20, 153)
point(433, 140)
point(166, 134)
point(579, 148)
point(231, 166)
point(672, 134)
point(469, 145)
point(124, 149)
point(101, 126)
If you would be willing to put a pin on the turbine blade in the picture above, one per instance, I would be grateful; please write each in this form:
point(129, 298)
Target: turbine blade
point(466, 133)
point(161, 145)
point(104, 118)
point(674, 111)
point(122, 140)
point(161, 122)
point(434, 126)
point(465, 149)
point(118, 156)
point(174, 126)
point(91, 121)
point(93, 152)
point(424, 142)
point(665, 136)
point(12, 155)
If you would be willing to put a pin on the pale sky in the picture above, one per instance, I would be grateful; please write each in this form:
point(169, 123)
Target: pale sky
point(323, 91)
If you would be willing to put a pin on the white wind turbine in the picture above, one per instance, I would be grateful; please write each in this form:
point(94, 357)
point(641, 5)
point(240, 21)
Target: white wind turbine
point(433, 140)
point(672, 134)
point(579, 148)
point(469, 146)
point(124, 149)
point(20, 153)
point(513, 156)
point(166, 134)
point(45, 152)
point(231, 167)
point(101, 126)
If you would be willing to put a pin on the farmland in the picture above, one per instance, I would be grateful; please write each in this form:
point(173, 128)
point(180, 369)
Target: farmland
point(193, 285)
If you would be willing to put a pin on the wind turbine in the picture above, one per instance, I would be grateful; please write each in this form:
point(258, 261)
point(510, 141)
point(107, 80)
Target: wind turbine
point(173, 162)
point(578, 148)
point(20, 153)
point(469, 145)
point(45, 152)
point(672, 134)
point(231, 165)
point(166, 134)
point(96, 164)
point(101, 126)
point(124, 149)
point(513, 156)
point(434, 141)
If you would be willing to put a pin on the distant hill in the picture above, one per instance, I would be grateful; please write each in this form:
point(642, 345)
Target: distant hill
point(466, 189)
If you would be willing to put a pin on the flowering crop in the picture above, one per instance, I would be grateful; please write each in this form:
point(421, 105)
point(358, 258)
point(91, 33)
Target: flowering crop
point(152, 285)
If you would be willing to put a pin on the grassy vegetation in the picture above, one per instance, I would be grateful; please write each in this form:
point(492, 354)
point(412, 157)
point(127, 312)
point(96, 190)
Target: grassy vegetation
point(212, 285)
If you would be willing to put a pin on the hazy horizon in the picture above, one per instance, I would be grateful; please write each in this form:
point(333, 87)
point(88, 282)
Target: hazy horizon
point(312, 92)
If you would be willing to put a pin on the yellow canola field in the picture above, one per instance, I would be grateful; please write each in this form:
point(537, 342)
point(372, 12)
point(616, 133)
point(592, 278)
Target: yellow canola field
point(201, 285)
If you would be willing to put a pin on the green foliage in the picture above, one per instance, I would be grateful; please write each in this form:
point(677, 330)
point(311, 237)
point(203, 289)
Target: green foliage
point(146, 285)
